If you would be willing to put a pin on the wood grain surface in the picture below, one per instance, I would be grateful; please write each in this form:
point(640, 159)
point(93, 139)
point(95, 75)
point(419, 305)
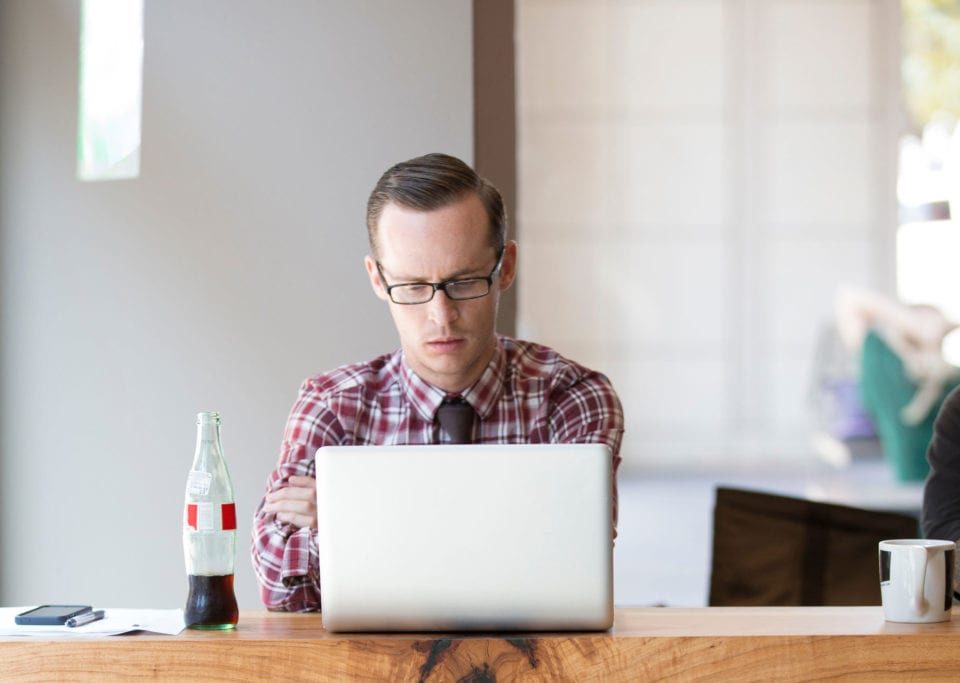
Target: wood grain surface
point(783, 644)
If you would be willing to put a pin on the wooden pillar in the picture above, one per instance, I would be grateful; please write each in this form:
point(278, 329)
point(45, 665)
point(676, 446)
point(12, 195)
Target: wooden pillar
point(495, 125)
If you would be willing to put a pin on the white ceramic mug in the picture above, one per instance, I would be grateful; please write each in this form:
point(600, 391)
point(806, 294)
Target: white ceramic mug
point(916, 579)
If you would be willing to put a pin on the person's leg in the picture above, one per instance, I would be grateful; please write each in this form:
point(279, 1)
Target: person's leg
point(886, 389)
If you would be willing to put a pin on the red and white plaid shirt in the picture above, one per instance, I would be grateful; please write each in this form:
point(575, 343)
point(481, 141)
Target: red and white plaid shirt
point(527, 394)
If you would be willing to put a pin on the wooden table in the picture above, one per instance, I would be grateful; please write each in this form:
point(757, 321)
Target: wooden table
point(772, 643)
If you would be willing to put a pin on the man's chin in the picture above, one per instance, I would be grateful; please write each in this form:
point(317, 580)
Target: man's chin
point(446, 364)
point(447, 371)
point(451, 367)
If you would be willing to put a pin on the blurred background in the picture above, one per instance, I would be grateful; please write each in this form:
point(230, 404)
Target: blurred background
point(695, 187)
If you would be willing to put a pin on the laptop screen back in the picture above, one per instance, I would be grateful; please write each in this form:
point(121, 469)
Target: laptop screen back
point(454, 538)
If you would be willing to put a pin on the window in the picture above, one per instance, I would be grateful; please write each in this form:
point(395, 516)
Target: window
point(928, 186)
point(111, 84)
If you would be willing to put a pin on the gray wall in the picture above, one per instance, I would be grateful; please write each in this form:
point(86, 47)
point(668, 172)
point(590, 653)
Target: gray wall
point(230, 270)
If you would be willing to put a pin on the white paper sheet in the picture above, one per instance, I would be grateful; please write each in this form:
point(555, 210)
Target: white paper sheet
point(115, 621)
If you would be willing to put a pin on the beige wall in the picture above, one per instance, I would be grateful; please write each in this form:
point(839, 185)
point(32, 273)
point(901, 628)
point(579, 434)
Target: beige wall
point(695, 179)
point(230, 270)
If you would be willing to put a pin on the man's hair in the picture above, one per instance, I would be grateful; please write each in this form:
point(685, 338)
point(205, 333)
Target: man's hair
point(432, 182)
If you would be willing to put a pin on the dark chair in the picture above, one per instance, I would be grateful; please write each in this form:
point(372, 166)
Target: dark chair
point(776, 550)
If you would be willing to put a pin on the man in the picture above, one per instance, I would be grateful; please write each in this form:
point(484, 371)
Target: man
point(440, 259)
point(941, 495)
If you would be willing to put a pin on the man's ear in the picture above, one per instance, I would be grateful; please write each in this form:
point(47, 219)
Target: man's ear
point(508, 269)
point(374, 276)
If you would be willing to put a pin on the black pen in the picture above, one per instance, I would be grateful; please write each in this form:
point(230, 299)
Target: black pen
point(85, 618)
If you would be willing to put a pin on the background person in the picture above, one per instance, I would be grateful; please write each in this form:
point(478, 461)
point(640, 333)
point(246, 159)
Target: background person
point(941, 493)
point(903, 375)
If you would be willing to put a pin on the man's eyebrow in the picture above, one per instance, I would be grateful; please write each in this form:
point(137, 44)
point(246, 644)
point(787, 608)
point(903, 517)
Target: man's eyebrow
point(456, 275)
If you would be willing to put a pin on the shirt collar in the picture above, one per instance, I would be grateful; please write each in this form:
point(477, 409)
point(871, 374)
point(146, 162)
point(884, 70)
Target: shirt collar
point(482, 395)
point(425, 397)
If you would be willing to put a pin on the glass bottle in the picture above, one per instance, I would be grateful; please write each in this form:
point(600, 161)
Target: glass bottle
point(210, 533)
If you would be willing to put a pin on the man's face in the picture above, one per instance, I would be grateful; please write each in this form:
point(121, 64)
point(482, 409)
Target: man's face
point(447, 343)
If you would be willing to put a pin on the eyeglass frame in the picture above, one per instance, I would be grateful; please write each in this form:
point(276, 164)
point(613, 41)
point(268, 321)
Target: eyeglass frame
point(442, 285)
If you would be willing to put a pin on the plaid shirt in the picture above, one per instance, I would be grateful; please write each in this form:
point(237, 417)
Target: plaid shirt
point(527, 394)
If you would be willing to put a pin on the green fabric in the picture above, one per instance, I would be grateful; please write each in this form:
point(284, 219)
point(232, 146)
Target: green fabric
point(886, 389)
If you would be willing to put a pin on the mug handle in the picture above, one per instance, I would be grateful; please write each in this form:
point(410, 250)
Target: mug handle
point(918, 569)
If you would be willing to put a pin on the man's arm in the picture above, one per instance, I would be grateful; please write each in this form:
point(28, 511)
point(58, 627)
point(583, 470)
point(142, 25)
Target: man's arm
point(284, 543)
point(941, 496)
point(589, 411)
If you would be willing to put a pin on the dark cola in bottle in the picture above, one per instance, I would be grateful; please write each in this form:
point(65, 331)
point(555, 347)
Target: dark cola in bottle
point(210, 533)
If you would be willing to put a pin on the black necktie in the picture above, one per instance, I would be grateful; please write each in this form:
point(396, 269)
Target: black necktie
point(456, 420)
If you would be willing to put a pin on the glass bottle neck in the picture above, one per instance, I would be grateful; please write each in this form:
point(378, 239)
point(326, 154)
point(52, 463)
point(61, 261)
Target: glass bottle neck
point(208, 433)
point(208, 443)
point(208, 436)
point(208, 430)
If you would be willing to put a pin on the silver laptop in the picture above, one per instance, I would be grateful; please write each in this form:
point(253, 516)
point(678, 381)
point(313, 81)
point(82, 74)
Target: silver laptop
point(465, 538)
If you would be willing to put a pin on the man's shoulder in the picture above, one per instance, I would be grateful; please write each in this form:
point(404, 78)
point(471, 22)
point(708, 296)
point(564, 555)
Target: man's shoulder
point(373, 376)
point(947, 425)
point(951, 404)
point(528, 360)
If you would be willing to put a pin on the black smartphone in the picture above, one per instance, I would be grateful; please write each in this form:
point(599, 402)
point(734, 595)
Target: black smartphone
point(50, 615)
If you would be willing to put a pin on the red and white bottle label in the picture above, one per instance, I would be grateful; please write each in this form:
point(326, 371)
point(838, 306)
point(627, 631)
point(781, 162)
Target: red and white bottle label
point(202, 517)
point(228, 517)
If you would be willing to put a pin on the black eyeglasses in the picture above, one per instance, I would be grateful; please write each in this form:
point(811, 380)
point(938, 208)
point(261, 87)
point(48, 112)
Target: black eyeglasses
point(409, 293)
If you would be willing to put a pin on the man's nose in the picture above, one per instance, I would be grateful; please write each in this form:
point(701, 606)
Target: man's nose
point(442, 308)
